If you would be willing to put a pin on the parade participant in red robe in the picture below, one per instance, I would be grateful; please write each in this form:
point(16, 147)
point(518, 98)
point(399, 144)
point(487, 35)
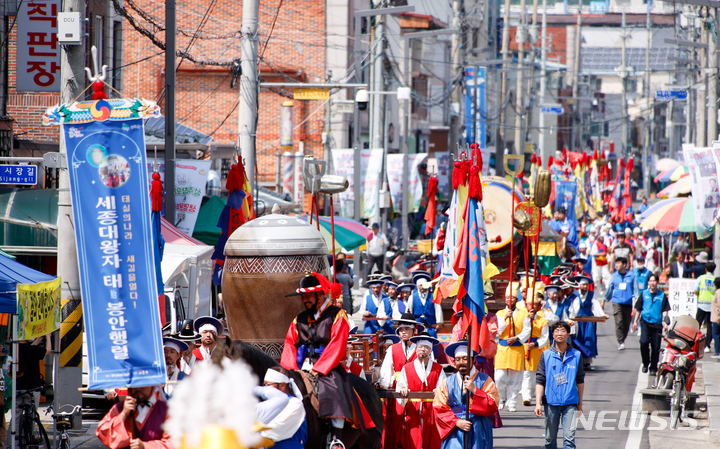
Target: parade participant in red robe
point(420, 375)
point(137, 421)
point(209, 328)
point(316, 342)
point(399, 354)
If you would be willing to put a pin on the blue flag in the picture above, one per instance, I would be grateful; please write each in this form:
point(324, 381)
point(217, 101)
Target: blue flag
point(111, 206)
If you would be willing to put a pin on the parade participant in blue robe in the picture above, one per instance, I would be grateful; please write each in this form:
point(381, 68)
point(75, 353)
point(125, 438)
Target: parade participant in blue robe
point(562, 225)
point(451, 399)
point(585, 339)
point(375, 305)
point(421, 304)
point(282, 411)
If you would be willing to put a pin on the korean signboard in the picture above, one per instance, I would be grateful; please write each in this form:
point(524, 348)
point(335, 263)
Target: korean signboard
point(38, 308)
point(110, 194)
point(682, 297)
point(415, 188)
point(18, 174)
point(38, 51)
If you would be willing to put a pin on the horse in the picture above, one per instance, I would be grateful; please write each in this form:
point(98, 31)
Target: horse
point(318, 429)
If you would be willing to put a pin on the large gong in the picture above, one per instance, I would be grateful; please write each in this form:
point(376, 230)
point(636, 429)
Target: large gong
point(265, 259)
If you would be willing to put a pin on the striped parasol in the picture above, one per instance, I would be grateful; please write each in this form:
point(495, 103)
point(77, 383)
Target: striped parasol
point(349, 234)
point(672, 215)
point(676, 189)
point(673, 174)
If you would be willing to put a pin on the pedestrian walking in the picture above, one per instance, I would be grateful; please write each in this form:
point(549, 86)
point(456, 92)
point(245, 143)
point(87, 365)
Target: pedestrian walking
point(651, 307)
point(715, 318)
point(560, 382)
point(622, 291)
point(705, 290)
point(376, 250)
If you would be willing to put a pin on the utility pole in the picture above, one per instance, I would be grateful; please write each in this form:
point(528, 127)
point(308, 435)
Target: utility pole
point(377, 106)
point(69, 372)
point(457, 69)
point(700, 108)
point(500, 150)
point(248, 88)
point(170, 50)
point(651, 103)
point(532, 38)
point(543, 85)
point(577, 117)
point(670, 125)
point(711, 75)
point(520, 38)
point(623, 78)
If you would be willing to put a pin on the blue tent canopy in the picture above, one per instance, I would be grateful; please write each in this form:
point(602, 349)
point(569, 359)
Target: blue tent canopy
point(11, 274)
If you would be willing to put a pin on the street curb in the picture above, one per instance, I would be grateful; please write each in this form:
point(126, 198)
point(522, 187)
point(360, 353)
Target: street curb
point(712, 394)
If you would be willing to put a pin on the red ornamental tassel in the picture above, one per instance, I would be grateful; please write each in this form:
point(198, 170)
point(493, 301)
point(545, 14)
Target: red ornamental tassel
point(474, 186)
point(551, 161)
point(565, 154)
point(456, 174)
point(156, 193)
point(533, 159)
point(98, 88)
point(622, 163)
point(595, 155)
point(630, 164)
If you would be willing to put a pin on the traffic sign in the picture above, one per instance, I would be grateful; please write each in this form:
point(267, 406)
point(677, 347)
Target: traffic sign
point(671, 94)
point(311, 94)
point(345, 108)
point(554, 109)
point(18, 174)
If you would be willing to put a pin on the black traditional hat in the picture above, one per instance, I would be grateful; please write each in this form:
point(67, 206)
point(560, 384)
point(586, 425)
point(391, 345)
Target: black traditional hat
point(187, 332)
point(408, 319)
point(424, 336)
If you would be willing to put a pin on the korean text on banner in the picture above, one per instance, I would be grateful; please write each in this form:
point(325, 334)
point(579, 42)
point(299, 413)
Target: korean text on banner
point(109, 187)
point(703, 165)
point(343, 164)
point(477, 131)
point(38, 52)
point(682, 297)
point(415, 188)
point(190, 181)
point(371, 164)
point(371, 183)
point(38, 308)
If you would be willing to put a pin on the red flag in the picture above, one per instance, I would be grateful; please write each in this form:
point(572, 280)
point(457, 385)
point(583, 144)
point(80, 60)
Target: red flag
point(430, 212)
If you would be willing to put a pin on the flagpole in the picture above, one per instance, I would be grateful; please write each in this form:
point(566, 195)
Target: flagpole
point(471, 363)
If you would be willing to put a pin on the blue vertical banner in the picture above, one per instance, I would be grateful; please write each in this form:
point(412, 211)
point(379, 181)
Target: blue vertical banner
point(566, 196)
point(111, 205)
point(475, 95)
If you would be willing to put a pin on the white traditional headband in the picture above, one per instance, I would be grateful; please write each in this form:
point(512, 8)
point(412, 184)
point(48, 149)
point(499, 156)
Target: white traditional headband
point(173, 345)
point(424, 343)
point(277, 377)
point(208, 327)
point(461, 352)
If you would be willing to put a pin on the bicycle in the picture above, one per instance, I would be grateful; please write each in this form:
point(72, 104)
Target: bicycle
point(31, 432)
point(64, 421)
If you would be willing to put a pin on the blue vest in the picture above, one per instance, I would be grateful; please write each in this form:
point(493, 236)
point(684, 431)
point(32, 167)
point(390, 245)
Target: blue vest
point(567, 392)
point(623, 296)
point(642, 278)
point(586, 305)
point(372, 327)
point(482, 437)
point(297, 441)
point(424, 313)
point(652, 306)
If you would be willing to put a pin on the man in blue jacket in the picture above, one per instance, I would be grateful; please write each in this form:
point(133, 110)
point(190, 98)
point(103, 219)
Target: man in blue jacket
point(622, 291)
point(560, 381)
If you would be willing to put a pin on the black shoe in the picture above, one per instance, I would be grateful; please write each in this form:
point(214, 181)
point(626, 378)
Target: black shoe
point(589, 368)
point(653, 372)
point(644, 369)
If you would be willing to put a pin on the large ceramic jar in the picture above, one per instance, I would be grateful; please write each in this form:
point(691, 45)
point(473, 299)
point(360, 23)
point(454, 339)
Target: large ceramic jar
point(264, 261)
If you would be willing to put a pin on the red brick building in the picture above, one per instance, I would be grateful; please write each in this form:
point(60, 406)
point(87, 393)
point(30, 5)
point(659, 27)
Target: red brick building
point(205, 100)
